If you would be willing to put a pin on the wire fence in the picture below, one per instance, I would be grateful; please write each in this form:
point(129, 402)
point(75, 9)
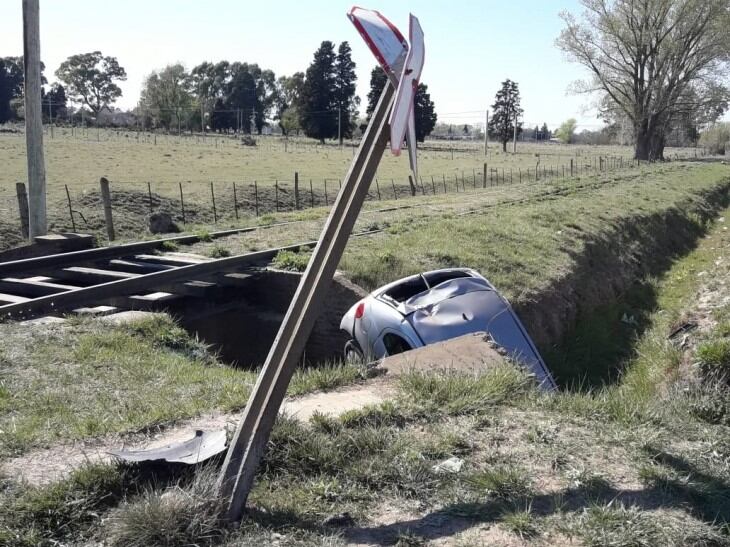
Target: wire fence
point(80, 207)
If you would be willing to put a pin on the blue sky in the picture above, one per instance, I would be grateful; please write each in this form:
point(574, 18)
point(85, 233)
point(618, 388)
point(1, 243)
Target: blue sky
point(471, 46)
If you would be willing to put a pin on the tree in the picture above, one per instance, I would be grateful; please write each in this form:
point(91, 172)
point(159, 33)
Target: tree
point(54, 102)
point(288, 96)
point(11, 85)
point(505, 110)
point(90, 79)
point(545, 131)
point(645, 55)
point(318, 114)
point(566, 131)
point(346, 100)
point(424, 108)
point(168, 93)
point(424, 113)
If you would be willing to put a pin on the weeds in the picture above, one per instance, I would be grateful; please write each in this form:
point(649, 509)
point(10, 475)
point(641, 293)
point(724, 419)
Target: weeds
point(291, 261)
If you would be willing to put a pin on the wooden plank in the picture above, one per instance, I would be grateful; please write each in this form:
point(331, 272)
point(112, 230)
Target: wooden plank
point(171, 260)
point(254, 428)
point(13, 299)
point(32, 287)
point(90, 276)
point(133, 266)
point(96, 293)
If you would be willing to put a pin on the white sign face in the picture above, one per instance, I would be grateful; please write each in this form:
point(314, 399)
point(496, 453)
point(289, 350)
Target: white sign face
point(402, 114)
point(383, 38)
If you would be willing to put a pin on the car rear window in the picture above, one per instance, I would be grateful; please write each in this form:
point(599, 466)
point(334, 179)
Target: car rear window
point(409, 287)
point(436, 278)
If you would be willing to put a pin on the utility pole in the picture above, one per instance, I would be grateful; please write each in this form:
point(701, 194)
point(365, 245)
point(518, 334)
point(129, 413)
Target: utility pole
point(514, 138)
point(486, 134)
point(34, 120)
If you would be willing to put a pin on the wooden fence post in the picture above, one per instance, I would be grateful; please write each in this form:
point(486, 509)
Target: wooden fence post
point(182, 202)
point(484, 176)
point(446, 191)
point(276, 194)
point(377, 187)
point(311, 193)
point(571, 167)
point(296, 190)
point(149, 194)
point(212, 196)
point(395, 194)
point(235, 200)
point(256, 197)
point(413, 186)
point(433, 185)
point(326, 199)
point(107, 201)
point(22, 207)
point(70, 209)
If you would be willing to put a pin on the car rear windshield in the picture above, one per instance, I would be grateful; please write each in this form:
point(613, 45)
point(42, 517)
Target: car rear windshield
point(436, 278)
point(409, 287)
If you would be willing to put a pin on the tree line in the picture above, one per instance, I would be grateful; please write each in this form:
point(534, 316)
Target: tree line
point(217, 96)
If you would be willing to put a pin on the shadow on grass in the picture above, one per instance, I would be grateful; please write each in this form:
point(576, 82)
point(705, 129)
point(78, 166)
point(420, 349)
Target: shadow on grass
point(702, 495)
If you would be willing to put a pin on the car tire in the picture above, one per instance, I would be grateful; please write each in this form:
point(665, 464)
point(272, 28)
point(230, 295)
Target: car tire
point(353, 353)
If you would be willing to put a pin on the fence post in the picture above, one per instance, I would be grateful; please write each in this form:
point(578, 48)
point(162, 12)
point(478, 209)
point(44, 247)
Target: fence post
point(484, 176)
point(326, 199)
point(212, 195)
point(70, 209)
point(423, 190)
point(235, 200)
point(22, 207)
point(311, 193)
point(413, 186)
point(107, 201)
point(182, 202)
point(149, 194)
point(433, 185)
point(276, 194)
point(256, 197)
point(571, 167)
point(395, 193)
point(520, 170)
point(296, 190)
point(446, 191)
point(377, 187)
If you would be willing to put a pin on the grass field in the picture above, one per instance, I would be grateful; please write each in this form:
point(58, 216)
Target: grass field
point(131, 161)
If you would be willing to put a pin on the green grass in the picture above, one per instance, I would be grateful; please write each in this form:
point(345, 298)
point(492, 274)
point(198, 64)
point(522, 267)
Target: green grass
point(88, 379)
point(291, 261)
point(715, 355)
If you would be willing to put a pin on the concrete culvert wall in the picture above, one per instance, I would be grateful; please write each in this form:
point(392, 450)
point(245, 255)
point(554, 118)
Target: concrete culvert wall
point(242, 327)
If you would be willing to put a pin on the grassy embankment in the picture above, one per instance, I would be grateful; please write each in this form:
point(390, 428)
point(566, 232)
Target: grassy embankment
point(640, 462)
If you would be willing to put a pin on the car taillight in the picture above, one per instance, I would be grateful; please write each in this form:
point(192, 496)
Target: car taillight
point(360, 310)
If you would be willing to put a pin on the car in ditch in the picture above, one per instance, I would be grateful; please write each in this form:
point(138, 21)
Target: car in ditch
point(433, 306)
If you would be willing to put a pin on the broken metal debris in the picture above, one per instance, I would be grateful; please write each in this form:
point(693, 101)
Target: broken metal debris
point(203, 446)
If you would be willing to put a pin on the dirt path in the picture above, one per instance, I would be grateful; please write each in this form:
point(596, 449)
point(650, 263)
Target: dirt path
point(47, 465)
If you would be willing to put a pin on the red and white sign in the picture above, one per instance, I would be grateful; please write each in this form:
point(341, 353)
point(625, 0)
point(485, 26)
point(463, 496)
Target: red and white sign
point(402, 114)
point(383, 38)
point(402, 64)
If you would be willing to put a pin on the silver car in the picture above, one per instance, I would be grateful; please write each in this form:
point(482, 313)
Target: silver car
point(434, 306)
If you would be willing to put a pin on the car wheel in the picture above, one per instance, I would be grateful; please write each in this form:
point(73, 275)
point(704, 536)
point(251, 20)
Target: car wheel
point(353, 353)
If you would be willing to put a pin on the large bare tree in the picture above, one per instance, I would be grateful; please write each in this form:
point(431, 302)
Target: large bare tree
point(651, 58)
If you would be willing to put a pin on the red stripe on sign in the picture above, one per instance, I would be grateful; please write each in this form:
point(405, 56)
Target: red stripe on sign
point(368, 41)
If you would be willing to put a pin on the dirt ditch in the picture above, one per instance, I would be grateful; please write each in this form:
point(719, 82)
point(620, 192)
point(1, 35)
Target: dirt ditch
point(612, 270)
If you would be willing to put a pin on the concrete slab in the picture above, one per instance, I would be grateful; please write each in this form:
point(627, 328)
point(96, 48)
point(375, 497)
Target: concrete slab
point(469, 353)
